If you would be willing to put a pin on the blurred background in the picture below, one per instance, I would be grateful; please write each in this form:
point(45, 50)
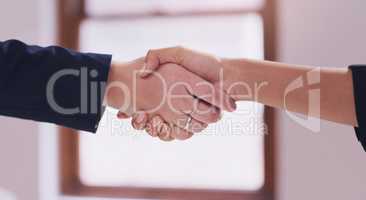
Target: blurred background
point(42, 162)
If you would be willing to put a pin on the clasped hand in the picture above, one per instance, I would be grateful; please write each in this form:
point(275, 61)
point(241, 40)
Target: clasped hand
point(172, 93)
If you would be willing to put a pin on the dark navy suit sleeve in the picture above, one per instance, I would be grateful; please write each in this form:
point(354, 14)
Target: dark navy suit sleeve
point(52, 84)
point(359, 85)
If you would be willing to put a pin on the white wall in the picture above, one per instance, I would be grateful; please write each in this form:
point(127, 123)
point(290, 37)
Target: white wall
point(329, 164)
point(19, 139)
point(18, 154)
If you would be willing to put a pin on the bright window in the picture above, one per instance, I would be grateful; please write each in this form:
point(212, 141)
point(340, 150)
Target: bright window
point(228, 156)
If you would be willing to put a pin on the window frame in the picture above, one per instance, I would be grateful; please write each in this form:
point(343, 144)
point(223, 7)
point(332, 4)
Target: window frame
point(70, 15)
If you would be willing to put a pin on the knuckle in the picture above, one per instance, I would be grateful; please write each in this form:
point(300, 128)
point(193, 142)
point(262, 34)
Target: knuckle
point(152, 54)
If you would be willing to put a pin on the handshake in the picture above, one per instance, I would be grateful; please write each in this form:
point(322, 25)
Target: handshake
point(172, 93)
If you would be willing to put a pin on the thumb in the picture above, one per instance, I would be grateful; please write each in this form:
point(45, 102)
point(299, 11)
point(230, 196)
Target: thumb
point(202, 64)
point(152, 63)
point(155, 58)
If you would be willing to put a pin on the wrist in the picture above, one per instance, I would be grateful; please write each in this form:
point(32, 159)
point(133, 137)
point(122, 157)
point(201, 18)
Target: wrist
point(113, 97)
point(235, 78)
point(119, 85)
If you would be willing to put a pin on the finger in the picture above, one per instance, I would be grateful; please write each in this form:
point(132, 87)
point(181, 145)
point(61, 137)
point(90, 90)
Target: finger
point(196, 126)
point(190, 124)
point(165, 133)
point(166, 139)
point(157, 124)
point(156, 127)
point(121, 115)
point(139, 120)
point(210, 93)
point(149, 128)
point(155, 58)
point(180, 134)
point(197, 62)
point(202, 111)
point(207, 115)
point(204, 65)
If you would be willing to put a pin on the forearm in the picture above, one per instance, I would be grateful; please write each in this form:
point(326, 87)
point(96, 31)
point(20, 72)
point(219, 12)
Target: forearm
point(288, 87)
point(52, 84)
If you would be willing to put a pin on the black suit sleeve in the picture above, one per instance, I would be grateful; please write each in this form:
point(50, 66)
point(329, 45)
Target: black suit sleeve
point(52, 84)
point(359, 85)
